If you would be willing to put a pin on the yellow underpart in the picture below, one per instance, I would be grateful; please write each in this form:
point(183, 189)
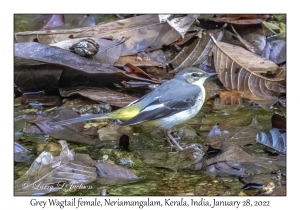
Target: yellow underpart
point(125, 113)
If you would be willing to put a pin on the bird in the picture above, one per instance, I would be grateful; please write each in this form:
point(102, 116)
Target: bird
point(173, 102)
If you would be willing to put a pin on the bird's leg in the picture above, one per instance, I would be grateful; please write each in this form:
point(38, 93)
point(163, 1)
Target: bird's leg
point(170, 138)
point(170, 143)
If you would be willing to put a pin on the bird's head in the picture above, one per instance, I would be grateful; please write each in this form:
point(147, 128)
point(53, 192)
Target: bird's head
point(193, 75)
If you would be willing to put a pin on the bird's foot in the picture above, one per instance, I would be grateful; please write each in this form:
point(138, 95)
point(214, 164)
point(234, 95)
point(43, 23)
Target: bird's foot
point(173, 142)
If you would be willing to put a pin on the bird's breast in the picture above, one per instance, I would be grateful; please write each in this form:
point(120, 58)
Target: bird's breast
point(181, 117)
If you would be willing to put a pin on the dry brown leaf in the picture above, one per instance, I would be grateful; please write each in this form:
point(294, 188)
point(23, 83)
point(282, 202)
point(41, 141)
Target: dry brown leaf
point(241, 70)
point(251, 47)
point(109, 50)
point(140, 32)
point(240, 19)
point(196, 52)
point(101, 95)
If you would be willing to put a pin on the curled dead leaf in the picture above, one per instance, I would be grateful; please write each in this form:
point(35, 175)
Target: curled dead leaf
point(197, 51)
point(248, 45)
point(241, 70)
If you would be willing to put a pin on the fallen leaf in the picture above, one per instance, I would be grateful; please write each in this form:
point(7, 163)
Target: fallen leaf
point(239, 19)
point(41, 100)
point(101, 95)
point(279, 122)
point(182, 24)
point(39, 53)
point(156, 55)
point(131, 69)
point(110, 174)
point(196, 52)
point(275, 51)
point(255, 36)
point(281, 17)
point(248, 45)
point(56, 21)
point(109, 50)
point(163, 17)
point(141, 32)
point(37, 78)
point(241, 70)
point(186, 38)
point(21, 154)
point(107, 170)
point(216, 137)
point(274, 140)
point(274, 27)
point(244, 135)
point(233, 160)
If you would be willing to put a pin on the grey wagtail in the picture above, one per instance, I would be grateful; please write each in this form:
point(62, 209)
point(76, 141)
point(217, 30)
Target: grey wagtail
point(172, 103)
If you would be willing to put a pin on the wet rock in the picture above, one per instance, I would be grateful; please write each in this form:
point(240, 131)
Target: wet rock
point(113, 132)
point(185, 132)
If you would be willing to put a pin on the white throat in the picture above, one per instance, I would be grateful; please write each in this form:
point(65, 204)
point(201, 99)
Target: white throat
point(200, 82)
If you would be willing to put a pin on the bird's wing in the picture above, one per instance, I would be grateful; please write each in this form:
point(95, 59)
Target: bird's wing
point(161, 108)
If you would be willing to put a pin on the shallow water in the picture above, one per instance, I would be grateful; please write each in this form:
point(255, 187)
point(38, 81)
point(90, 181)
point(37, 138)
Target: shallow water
point(163, 181)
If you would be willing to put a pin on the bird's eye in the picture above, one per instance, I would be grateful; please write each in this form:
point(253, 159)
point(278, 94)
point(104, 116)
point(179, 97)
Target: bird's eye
point(194, 74)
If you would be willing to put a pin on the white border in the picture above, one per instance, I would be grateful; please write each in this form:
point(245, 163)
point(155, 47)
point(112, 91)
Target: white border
point(140, 7)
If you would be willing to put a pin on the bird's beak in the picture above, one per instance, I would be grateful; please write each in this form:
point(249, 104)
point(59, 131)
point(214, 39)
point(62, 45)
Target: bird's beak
point(210, 74)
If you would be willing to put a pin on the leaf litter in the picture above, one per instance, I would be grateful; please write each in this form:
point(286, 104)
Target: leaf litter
point(233, 159)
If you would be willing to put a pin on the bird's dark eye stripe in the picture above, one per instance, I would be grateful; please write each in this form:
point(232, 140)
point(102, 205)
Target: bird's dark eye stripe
point(194, 74)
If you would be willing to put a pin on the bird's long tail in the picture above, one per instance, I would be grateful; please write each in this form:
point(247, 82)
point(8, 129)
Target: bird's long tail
point(80, 119)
